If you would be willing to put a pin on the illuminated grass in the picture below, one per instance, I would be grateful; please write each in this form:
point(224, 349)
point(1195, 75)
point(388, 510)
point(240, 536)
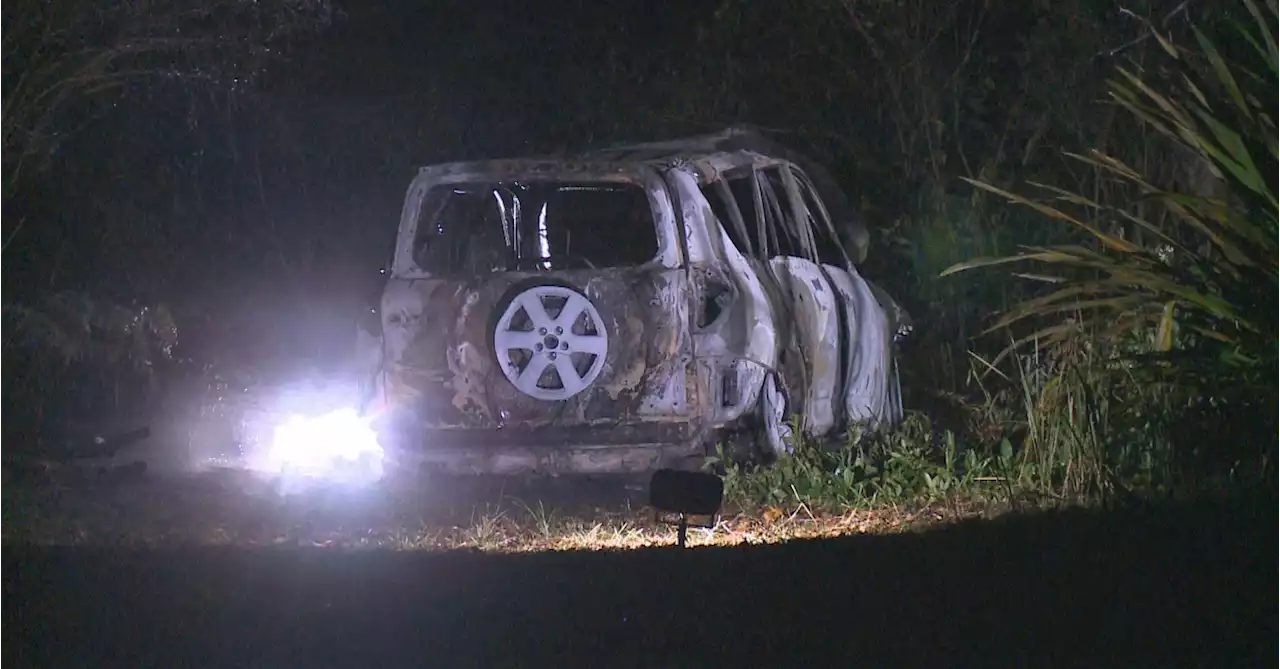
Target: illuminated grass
point(145, 517)
point(642, 532)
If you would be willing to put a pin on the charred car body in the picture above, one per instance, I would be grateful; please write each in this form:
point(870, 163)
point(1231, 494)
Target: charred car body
point(626, 309)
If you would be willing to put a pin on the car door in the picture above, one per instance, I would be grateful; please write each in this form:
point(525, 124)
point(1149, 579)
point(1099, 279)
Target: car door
point(762, 217)
point(870, 383)
point(733, 331)
point(813, 298)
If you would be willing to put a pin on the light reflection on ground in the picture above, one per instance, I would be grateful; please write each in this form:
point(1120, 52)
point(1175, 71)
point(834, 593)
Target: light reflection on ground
point(233, 507)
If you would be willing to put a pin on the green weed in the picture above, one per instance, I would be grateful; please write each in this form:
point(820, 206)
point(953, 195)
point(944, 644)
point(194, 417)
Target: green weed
point(911, 465)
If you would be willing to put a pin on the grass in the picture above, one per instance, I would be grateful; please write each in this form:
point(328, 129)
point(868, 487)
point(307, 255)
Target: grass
point(912, 467)
point(175, 514)
point(1175, 585)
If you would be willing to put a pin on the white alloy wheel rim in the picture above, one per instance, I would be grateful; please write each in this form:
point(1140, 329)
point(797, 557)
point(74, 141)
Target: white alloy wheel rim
point(550, 342)
point(773, 412)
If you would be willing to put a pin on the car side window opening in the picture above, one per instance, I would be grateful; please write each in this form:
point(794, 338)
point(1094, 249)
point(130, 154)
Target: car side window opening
point(771, 212)
point(477, 228)
point(781, 222)
point(827, 245)
point(723, 207)
point(734, 201)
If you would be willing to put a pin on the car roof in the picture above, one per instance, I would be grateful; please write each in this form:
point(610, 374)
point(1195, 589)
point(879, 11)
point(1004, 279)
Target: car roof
point(732, 146)
point(709, 154)
point(696, 149)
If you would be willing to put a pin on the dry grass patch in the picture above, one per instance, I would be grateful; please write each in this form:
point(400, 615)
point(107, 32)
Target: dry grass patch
point(616, 530)
point(173, 516)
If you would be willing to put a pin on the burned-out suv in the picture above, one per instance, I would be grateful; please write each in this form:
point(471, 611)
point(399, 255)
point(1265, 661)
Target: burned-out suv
point(627, 309)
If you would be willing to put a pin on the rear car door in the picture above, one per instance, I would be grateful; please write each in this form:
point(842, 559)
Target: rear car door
point(765, 223)
point(540, 296)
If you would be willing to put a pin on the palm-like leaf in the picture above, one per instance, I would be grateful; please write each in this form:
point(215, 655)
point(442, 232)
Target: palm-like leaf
point(1213, 273)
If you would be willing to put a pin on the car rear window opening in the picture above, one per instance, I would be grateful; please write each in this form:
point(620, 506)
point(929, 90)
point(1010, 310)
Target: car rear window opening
point(477, 228)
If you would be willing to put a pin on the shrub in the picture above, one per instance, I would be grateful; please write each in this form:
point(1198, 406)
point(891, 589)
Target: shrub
point(1166, 297)
point(907, 466)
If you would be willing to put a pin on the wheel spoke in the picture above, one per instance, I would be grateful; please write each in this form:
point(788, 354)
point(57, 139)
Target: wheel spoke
point(569, 377)
point(528, 379)
point(586, 344)
point(533, 306)
point(573, 308)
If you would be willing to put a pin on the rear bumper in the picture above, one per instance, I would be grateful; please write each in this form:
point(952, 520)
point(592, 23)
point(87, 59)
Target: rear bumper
point(549, 450)
point(512, 460)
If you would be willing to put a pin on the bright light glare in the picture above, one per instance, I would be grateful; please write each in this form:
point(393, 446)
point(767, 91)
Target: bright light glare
point(339, 444)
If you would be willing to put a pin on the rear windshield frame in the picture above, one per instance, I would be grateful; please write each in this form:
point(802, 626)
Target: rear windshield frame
point(424, 202)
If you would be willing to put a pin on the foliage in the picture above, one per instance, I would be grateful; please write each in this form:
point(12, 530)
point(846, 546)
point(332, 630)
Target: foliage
point(1066, 426)
point(72, 53)
point(1169, 259)
point(908, 466)
point(75, 327)
point(78, 358)
point(1168, 290)
point(942, 102)
point(108, 114)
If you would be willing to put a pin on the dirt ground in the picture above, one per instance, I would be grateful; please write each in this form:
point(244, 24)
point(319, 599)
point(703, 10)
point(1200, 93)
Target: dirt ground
point(140, 576)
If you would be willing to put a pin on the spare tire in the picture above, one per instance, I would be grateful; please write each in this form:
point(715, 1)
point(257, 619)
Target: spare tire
point(549, 340)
